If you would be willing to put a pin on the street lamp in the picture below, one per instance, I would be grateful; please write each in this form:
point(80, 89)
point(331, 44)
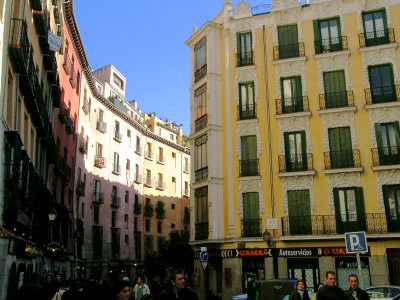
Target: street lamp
point(52, 216)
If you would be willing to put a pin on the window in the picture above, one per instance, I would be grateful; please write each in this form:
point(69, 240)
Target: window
point(128, 134)
point(251, 215)
point(128, 168)
point(245, 53)
point(116, 166)
point(292, 94)
point(173, 206)
point(147, 225)
point(349, 209)
point(159, 227)
point(327, 35)
point(375, 28)
point(96, 215)
point(126, 196)
point(391, 195)
point(138, 149)
point(340, 148)
point(288, 41)
point(249, 161)
point(200, 99)
point(126, 239)
point(201, 213)
point(160, 157)
point(295, 151)
point(382, 83)
point(186, 165)
point(160, 183)
point(200, 59)
point(148, 151)
point(172, 225)
point(299, 212)
point(200, 158)
point(246, 101)
point(97, 232)
point(335, 89)
point(97, 196)
point(388, 140)
point(148, 177)
point(113, 219)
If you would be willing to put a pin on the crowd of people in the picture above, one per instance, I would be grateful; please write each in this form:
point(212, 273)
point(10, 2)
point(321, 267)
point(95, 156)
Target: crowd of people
point(59, 289)
point(329, 290)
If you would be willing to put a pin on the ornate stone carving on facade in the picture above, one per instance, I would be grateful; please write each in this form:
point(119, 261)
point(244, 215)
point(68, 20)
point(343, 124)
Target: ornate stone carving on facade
point(298, 183)
point(371, 5)
point(342, 119)
point(248, 186)
point(243, 10)
point(243, 26)
point(378, 57)
point(382, 115)
point(294, 68)
point(247, 128)
point(387, 177)
point(342, 180)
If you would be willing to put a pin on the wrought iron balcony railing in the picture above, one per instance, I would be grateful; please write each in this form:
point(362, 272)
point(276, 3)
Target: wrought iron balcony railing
point(137, 208)
point(295, 163)
point(86, 106)
point(201, 231)
point(80, 189)
point(200, 73)
point(138, 150)
point(137, 178)
point(83, 145)
point(244, 59)
point(148, 210)
point(200, 123)
point(331, 45)
point(292, 105)
point(372, 223)
point(115, 200)
point(336, 99)
point(19, 46)
point(99, 161)
point(246, 112)
point(98, 198)
point(382, 94)
point(201, 174)
point(149, 155)
point(377, 37)
point(289, 51)
point(116, 169)
point(342, 159)
point(251, 227)
point(101, 126)
point(386, 156)
point(118, 136)
point(249, 167)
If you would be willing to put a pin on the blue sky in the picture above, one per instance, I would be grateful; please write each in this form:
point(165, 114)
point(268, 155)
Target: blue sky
point(145, 41)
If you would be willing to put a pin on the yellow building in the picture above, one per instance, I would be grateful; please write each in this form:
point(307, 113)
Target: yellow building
point(295, 111)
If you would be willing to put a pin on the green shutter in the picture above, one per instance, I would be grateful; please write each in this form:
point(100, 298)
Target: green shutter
point(287, 147)
point(378, 134)
point(304, 149)
point(317, 32)
point(360, 208)
point(397, 133)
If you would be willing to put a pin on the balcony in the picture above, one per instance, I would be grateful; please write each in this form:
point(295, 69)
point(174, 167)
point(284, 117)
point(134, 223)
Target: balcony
point(161, 159)
point(115, 200)
point(148, 155)
point(56, 12)
point(185, 193)
point(382, 94)
point(98, 198)
point(50, 64)
point(137, 178)
point(336, 100)
point(160, 211)
point(101, 126)
point(249, 167)
point(251, 227)
point(244, 59)
point(200, 73)
point(138, 150)
point(137, 208)
point(86, 106)
point(67, 65)
point(40, 18)
point(296, 163)
point(56, 94)
point(80, 189)
point(83, 145)
point(342, 159)
point(116, 169)
point(148, 182)
point(38, 4)
point(246, 112)
point(70, 125)
point(73, 78)
point(384, 156)
point(160, 185)
point(292, 105)
point(200, 123)
point(201, 231)
point(117, 136)
point(19, 46)
point(148, 210)
point(377, 37)
point(331, 45)
point(99, 161)
point(201, 174)
point(186, 216)
point(321, 225)
point(289, 51)
point(64, 113)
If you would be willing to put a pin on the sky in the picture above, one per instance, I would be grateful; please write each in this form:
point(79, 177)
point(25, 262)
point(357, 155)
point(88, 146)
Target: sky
point(145, 41)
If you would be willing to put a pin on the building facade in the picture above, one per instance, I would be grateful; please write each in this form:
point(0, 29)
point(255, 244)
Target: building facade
point(295, 141)
point(29, 93)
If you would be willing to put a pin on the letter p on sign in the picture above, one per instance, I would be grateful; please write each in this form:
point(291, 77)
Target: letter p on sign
point(356, 242)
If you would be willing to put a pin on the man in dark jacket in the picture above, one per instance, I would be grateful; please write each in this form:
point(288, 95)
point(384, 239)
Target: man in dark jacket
point(177, 289)
point(330, 291)
point(354, 292)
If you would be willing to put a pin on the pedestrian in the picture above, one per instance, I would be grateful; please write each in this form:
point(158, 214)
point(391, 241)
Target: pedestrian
point(354, 292)
point(32, 290)
point(64, 286)
point(330, 291)
point(73, 293)
point(48, 287)
point(121, 290)
point(176, 288)
point(316, 288)
point(300, 293)
point(140, 289)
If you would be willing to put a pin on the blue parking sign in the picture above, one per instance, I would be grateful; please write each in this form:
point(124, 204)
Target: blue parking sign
point(356, 242)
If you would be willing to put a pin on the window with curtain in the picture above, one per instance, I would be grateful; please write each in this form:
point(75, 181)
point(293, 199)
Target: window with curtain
point(246, 100)
point(201, 213)
point(349, 209)
point(375, 28)
point(391, 195)
point(388, 141)
point(382, 83)
point(295, 151)
point(327, 35)
point(244, 56)
point(292, 95)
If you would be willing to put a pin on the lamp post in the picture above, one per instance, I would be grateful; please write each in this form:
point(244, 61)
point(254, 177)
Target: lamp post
point(52, 216)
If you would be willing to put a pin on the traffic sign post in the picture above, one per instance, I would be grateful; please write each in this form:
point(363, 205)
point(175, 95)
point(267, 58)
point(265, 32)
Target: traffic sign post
point(356, 242)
